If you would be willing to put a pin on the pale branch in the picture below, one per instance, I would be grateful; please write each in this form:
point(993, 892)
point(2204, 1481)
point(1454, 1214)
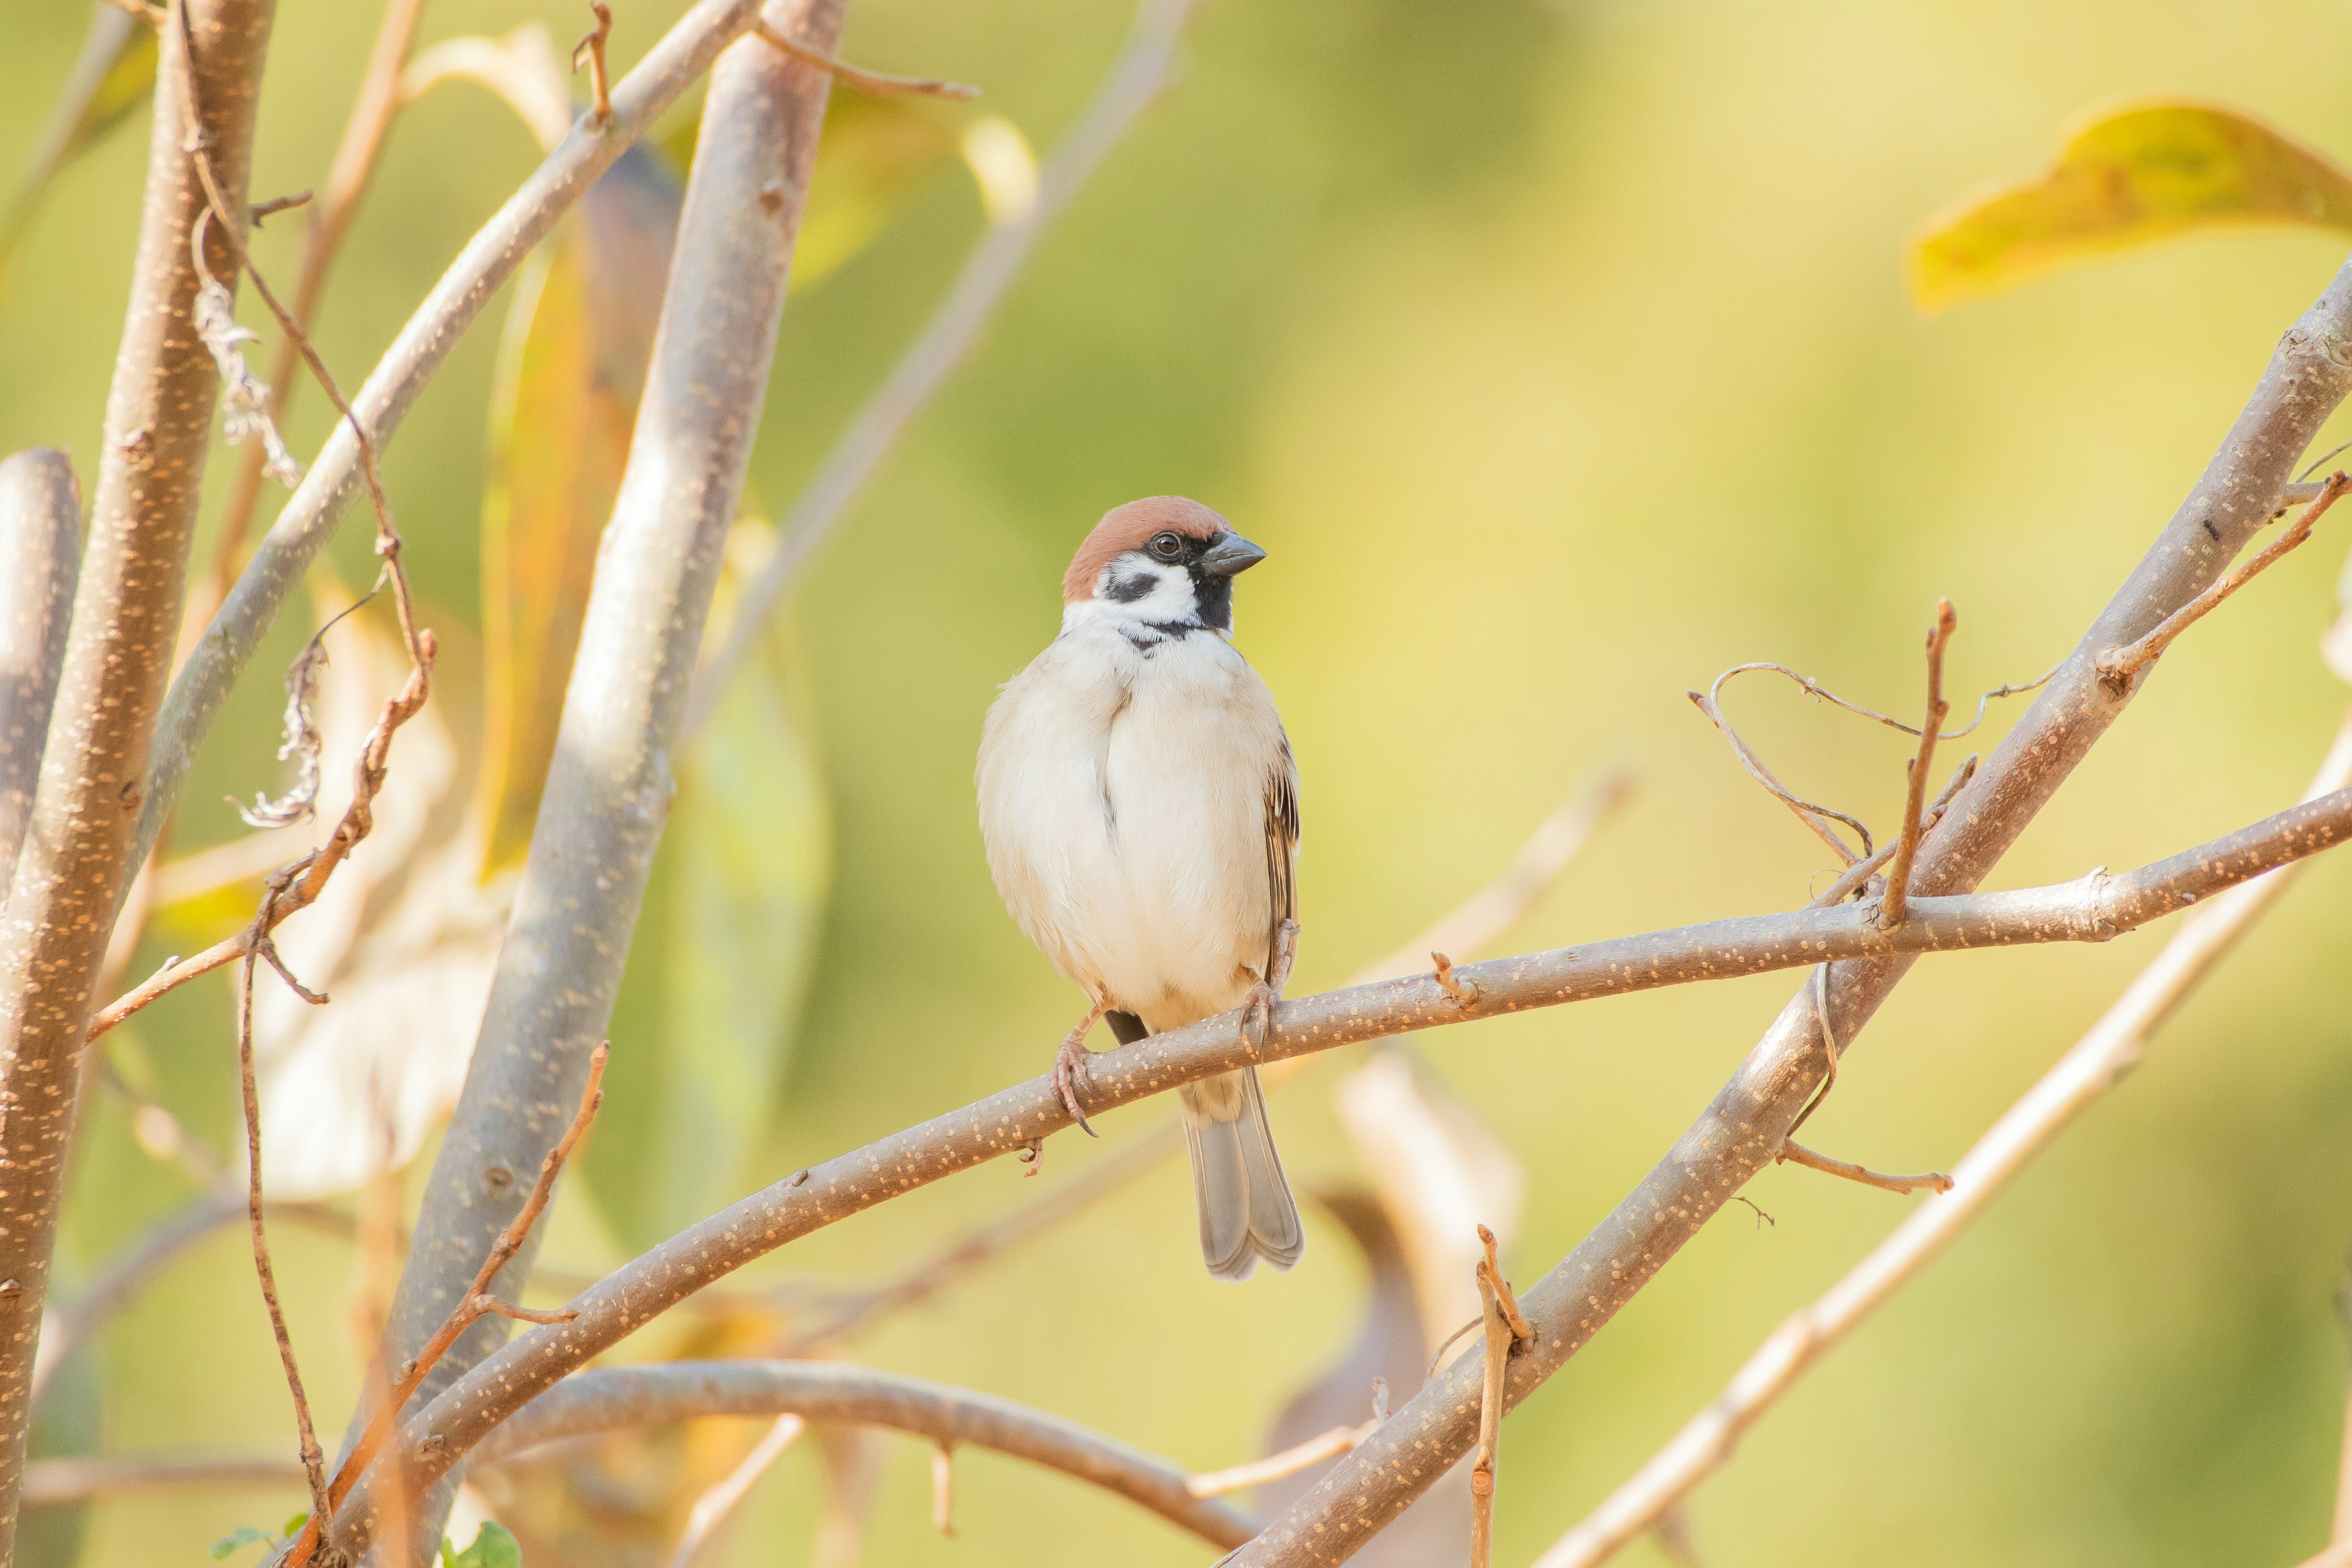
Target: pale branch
point(78, 853)
point(608, 1398)
point(1853, 879)
point(1274, 1466)
point(2117, 665)
point(1906, 845)
point(2094, 909)
point(1134, 77)
point(88, 1478)
point(1741, 1130)
point(477, 1302)
point(2338, 1556)
point(609, 787)
point(1797, 1153)
point(219, 658)
point(374, 108)
point(2092, 1066)
point(863, 80)
point(713, 1508)
point(40, 560)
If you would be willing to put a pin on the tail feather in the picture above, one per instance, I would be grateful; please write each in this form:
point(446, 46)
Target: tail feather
point(1246, 1209)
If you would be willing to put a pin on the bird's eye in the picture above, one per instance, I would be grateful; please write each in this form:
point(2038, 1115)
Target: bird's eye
point(1167, 546)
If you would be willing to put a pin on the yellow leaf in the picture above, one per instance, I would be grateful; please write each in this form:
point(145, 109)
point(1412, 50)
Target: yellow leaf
point(2127, 177)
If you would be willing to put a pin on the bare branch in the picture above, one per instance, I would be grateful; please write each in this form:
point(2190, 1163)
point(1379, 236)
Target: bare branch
point(863, 80)
point(833, 1392)
point(1898, 869)
point(1931, 1181)
point(2308, 376)
point(1133, 80)
point(1274, 1466)
point(77, 856)
point(40, 560)
point(2117, 665)
point(608, 790)
point(2088, 1071)
point(2096, 908)
point(88, 1476)
point(1495, 1354)
point(213, 665)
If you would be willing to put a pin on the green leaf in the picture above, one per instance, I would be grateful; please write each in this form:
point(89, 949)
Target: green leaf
point(494, 1547)
point(874, 155)
point(114, 76)
point(242, 1535)
point(570, 371)
point(710, 1001)
point(293, 1523)
point(2125, 177)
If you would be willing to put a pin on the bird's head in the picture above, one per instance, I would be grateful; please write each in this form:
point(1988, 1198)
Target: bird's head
point(1162, 561)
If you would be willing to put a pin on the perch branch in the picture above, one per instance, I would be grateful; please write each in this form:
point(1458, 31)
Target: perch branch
point(40, 560)
point(832, 1391)
point(2088, 1071)
point(1898, 869)
point(1134, 78)
point(863, 80)
point(2117, 665)
point(2308, 375)
point(2096, 908)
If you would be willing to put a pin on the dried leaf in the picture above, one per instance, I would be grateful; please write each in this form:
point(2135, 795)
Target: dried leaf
point(2125, 177)
point(572, 369)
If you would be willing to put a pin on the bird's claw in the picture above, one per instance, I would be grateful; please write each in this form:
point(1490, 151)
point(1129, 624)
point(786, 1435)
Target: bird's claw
point(1070, 1075)
point(1257, 1015)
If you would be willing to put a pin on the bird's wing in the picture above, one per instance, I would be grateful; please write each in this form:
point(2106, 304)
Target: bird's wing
point(1281, 847)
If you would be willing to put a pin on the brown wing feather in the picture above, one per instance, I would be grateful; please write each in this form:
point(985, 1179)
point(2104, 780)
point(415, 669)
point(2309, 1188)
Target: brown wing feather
point(1281, 849)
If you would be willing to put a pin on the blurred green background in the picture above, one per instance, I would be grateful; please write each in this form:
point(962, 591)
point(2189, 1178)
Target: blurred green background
point(1557, 353)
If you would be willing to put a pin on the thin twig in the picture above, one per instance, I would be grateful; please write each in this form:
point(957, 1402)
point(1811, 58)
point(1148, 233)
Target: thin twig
point(261, 212)
point(2096, 909)
point(1932, 1181)
point(1816, 690)
point(1521, 1330)
point(1804, 811)
point(2116, 666)
point(477, 1303)
point(1274, 1466)
point(943, 1489)
point(2095, 1065)
point(314, 1462)
point(863, 80)
point(1863, 870)
point(1490, 1424)
point(1134, 78)
point(600, 86)
point(712, 1507)
point(1898, 870)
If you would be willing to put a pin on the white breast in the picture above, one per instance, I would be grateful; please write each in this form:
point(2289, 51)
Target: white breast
point(1122, 796)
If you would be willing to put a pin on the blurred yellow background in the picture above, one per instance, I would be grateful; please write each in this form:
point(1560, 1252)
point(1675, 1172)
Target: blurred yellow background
point(1557, 354)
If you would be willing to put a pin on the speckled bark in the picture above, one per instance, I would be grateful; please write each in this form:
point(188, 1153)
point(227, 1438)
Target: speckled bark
point(609, 788)
point(2307, 377)
point(2094, 909)
point(611, 1398)
point(40, 560)
point(334, 482)
point(76, 850)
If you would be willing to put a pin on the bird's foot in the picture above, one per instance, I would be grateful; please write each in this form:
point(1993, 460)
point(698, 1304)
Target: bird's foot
point(1257, 1014)
point(1070, 1070)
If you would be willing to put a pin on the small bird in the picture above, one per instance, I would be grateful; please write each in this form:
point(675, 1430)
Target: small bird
point(1140, 808)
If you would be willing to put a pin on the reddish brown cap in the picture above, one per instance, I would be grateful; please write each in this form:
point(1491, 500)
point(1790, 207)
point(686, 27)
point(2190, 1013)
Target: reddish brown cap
point(1126, 528)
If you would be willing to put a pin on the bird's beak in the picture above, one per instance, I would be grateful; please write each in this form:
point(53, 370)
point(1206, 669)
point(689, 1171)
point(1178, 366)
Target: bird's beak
point(1230, 556)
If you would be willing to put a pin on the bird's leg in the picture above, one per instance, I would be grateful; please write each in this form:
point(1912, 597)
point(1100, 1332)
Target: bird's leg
point(1070, 1068)
point(1258, 1009)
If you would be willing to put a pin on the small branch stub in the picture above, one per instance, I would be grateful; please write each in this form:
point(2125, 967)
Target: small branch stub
point(591, 50)
point(1463, 990)
point(1798, 1154)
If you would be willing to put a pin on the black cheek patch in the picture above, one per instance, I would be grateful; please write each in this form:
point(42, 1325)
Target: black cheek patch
point(1127, 590)
point(1213, 600)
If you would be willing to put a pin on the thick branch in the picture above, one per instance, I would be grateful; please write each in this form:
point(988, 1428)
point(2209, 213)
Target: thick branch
point(609, 788)
point(285, 553)
point(1742, 1130)
point(40, 560)
point(1134, 77)
point(606, 1399)
point(2096, 1064)
point(2096, 908)
point(77, 854)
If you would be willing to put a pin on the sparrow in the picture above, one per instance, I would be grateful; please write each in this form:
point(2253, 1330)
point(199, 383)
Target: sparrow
point(1140, 810)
